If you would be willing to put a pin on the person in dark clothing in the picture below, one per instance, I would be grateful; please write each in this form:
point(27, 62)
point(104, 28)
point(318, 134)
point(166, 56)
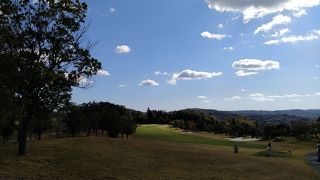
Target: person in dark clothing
point(235, 149)
point(269, 146)
point(269, 149)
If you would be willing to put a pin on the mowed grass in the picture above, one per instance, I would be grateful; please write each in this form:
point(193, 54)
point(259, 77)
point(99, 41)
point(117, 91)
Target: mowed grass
point(162, 132)
point(161, 153)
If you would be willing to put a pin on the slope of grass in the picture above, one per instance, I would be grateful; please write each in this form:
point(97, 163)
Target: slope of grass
point(144, 158)
point(164, 133)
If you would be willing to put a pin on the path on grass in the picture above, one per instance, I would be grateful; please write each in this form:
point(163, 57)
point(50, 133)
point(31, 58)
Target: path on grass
point(312, 158)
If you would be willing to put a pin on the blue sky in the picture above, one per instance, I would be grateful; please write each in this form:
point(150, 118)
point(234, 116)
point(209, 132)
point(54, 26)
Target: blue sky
point(217, 54)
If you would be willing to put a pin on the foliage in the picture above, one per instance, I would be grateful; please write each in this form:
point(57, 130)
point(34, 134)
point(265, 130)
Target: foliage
point(42, 54)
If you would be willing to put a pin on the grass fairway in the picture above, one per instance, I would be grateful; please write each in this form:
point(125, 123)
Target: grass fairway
point(155, 152)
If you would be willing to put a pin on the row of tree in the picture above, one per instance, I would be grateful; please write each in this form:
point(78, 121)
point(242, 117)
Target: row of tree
point(114, 120)
point(86, 118)
point(241, 126)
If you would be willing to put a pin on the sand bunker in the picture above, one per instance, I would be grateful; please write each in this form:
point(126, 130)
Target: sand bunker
point(242, 139)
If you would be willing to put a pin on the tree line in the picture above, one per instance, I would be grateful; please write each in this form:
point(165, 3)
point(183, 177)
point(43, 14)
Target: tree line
point(112, 120)
point(240, 126)
point(88, 118)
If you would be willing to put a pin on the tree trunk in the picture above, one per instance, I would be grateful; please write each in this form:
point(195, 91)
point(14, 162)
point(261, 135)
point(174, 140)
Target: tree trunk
point(88, 132)
point(96, 132)
point(22, 135)
point(57, 133)
point(3, 140)
point(39, 136)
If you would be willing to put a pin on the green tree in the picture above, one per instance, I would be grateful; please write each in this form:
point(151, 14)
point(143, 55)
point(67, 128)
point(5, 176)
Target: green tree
point(128, 125)
point(113, 123)
point(7, 127)
point(43, 54)
point(75, 120)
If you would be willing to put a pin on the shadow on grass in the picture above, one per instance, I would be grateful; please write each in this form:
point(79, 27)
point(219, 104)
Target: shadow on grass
point(277, 154)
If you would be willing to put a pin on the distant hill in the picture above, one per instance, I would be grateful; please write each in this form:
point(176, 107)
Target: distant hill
point(220, 115)
point(279, 116)
point(310, 114)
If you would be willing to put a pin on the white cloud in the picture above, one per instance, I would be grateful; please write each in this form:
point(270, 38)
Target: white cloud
point(260, 97)
point(123, 85)
point(299, 13)
point(315, 78)
point(293, 39)
point(271, 42)
point(248, 67)
point(209, 35)
point(103, 73)
point(281, 32)
point(206, 101)
point(314, 34)
point(84, 82)
point(202, 97)
point(158, 73)
point(243, 90)
point(277, 20)
point(317, 66)
point(228, 48)
point(252, 9)
point(295, 100)
point(242, 73)
point(112, 10)
point(122, 49)
point(255, 65)
point(233, 98)
point(191, 75)
point(220, 26)
point(148, 82)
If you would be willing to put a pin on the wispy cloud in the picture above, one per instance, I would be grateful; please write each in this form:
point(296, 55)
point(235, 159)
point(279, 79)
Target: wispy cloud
point(192, 75)
point(149, 82)
point(230, 48)
point(248, 67)
point(122, 49)
point(202, 97)
point(260, 97)
point(85, 82)
point(281, 32)
point(160, 73)
point(112, 10)
point(314, 34)
point(103, 73)
point(209, 35)
point(299, 13)
point(123, 85)
point(277, 20)
point(257, 9)
point(242, 73)
point(233, 98)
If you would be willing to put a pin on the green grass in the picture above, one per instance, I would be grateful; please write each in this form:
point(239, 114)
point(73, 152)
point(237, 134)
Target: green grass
point(155, 152)
point(273, 154)
point(157, 132)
